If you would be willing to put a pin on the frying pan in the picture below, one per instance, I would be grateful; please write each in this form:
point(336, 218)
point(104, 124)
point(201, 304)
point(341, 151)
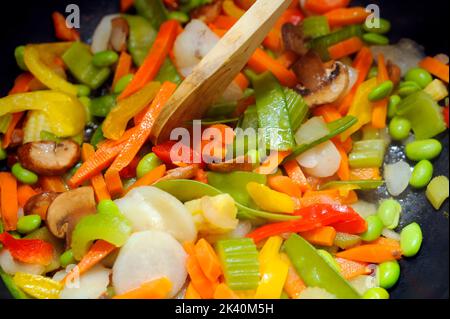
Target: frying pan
point(425, 276)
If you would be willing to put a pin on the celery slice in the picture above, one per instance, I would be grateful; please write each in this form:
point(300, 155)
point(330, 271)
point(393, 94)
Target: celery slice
point(438, 191)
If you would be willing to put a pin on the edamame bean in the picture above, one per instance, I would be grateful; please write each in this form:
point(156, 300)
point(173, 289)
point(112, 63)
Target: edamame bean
point(329, 259)
point(399, 128)
point(19, 53)
point(83, 90)
point(423, 149)
point(422, 174)
point(24, 175)
point(123, 83)
point(3, 154)
point(394, 100)
point(147, 164)
point(375, 38)
point(101, 106)
point(374, 228)
point(388, 274)
point(376, 293)
point(408, 88)
point(105, 58)
point(389, 213)
point(67, 258)
point(411, 239)
point(381, 26)
point(381, 91)
point(420, 76)
point(373, 72)
point(28, 224)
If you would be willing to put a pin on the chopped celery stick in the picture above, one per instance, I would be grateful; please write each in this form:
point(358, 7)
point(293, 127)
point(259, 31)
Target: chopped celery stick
point(438, 191)
point(240, 263)
point(297, 108)
point(437, 90)
point(367, 153)
point(315, 26)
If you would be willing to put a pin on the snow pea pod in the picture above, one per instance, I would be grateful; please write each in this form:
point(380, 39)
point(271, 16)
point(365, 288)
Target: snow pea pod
point(187, 190)
point(168, 72)
point(153, 10)
point(142, 36)
point(315, 271)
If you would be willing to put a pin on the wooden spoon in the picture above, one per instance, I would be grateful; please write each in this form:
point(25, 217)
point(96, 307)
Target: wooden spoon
point(218, 68)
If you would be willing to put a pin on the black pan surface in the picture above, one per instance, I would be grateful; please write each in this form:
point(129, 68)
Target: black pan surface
point(425, 276)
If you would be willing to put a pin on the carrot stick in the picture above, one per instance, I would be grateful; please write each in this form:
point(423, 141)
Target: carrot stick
point(245, 4)
point(351, 269)
point(201, 283)
point(285, 185)
point(345, 16)
point(24, 193)
point(8, 200)
point(287, 59)
point(160, 49)
point(114, 183)
point(22, 83)
point(52, 184)
point(208, 260)
point(224, 292)
point(293, 285)
point(191, 293)
point(323, 236)
point(379, 110)
point(395, 244)
point(272, 162)
point(224, 22)
point(155, 289)
point(435, 67)
point(123, 67)
point(242, 81)
point(142, 133)
point(344, 168)
point(260, 62)
point(97, 181)
point(328, 112)
point(150, 178)
point(99, 250)
point(371, 253)
point(323, 6)
point(296, 174)
point(7, 138)
point(63, 32)
point(126, 5)
point(345, 48)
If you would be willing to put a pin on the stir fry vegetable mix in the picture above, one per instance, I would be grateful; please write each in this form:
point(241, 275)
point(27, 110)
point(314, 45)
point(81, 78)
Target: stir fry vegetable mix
point(89, 200)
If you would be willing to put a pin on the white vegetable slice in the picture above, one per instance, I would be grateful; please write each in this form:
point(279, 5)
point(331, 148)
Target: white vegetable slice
point(149, 208)
point(102, 33)
point(11, 266)
point(321, 161)
point(363, 283)
point(397, 177)
point(315, 293)
point(364, 209)
point(148, 256)
point(91, 285)
point(312, 130)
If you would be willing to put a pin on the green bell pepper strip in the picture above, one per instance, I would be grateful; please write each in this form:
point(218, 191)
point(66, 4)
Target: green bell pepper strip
point(101, 106)
point(297, 108)
point(187, 190)
point(273, 114)
point(142, 35)
point(335, 128)
point(97, 137)
point(367, 153)
point(109, 224)
point(235, 184)
point(168, 72)
point(423, 113)
point(153, 10)
point(78, 59)
point(249, 118)
point(361, 184)
point(15, 291)
point(315, 271)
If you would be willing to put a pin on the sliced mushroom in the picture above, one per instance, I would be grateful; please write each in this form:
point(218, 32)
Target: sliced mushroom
point(238, 164)
point(187, 172)
point(293, 39)
point(16, 138)
point(49, 158)
point(119, 34)
point(208, 12)
point(39, 204)
point(67, 209)
point(321, 83)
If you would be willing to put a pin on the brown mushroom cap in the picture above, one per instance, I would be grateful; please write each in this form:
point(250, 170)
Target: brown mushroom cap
point(243, 164)
point(39, 204)
point(293, 39)
point(49, 158)
point(68, 208)
point(208, 12)
point(119, 34)
point(186, 172)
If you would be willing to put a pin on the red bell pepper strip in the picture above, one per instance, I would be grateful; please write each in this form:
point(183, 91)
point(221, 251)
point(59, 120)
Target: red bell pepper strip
point(30, 251)
point(445, 112)
point(163, 153)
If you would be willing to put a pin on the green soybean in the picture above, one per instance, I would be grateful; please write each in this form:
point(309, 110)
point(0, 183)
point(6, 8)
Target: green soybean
point(422, 174)
point(411, 239)
point(399, 128)
point(105, 58)
point(381, 26)
point(83, 90)
point(381, 91)
point(376, 293)
point(394, 100)
point(388, 274)
point(407, 88)
point(147, 164)
point(28, 224)
point(374, 228)
point(101, 106)
point(19, 53)
point(389, 213)
point(420, 76)
point(423, 149)
point(67, 258)
point(375, 38)
point(122, 83)
point(373, 72)
point(23, 175)
point(3, 154)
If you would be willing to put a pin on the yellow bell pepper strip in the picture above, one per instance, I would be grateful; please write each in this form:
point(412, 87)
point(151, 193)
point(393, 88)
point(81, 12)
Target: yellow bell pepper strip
point(273, 270)
point(15, 291)
point(66, 115)
point(270, 200)
point(44, 73)
point(39, 287)
point(361, 107)
point(232, 10)
point(116, 122)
